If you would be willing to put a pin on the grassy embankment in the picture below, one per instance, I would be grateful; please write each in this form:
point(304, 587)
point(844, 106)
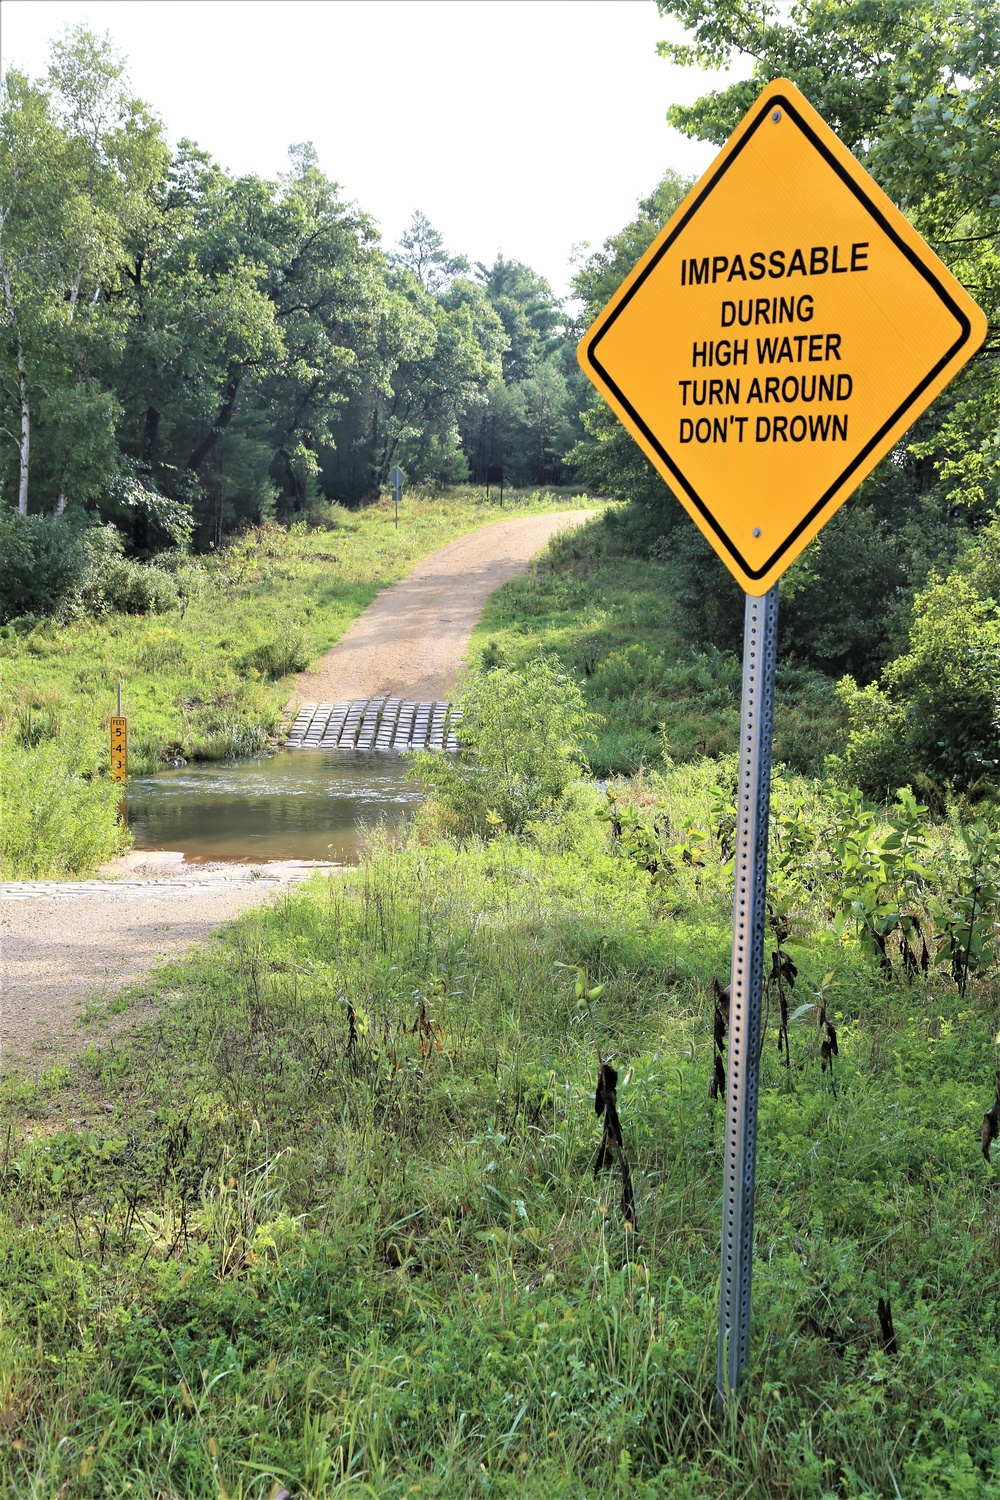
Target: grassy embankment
point(329, 1222)
point(600, 603)
point(207, 679)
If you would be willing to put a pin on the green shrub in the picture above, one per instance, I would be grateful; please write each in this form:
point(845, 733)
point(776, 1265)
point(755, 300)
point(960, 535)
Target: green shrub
point(55, 817)
point(950, 681)
point(622, 752)
point(520, 735)
point(41, 563)
point(810, 720)
point(31, 716)
point(160, 650)
point(839, 598)
point(710, 603)
point(326, 515)
point(232, 739)
point(237, 724)
point(276, 656)
point(115, 582)
point(937, 710)
point(877, 758)
point(984, 561)
point(632, 670)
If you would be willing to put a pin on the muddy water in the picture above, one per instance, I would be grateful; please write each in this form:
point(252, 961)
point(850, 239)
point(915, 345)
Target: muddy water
point(297, 804)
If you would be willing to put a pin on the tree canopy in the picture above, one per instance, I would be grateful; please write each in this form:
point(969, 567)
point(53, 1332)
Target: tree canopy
point(184, 351)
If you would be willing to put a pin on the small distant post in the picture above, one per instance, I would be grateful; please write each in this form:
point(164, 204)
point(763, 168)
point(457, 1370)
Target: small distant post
point(119, 743)
point(397, 479)
point(494, 475)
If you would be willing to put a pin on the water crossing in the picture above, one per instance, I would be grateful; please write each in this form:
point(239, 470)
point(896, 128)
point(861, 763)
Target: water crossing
point(375, 724)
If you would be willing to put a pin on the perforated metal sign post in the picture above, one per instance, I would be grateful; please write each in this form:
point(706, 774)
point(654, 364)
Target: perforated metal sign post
point(760, 653)
point(777, 339)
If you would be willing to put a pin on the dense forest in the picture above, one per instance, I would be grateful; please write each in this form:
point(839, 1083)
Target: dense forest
point(186, 353)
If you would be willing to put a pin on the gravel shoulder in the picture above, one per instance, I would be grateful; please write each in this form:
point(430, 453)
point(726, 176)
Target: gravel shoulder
point(65, 942)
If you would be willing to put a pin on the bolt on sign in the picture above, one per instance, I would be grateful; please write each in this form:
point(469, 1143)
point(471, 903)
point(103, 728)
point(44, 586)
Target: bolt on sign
point(119, 748)
point(778, 337)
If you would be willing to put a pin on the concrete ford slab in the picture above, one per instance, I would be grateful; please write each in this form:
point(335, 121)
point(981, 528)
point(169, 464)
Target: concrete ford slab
point(375, 724)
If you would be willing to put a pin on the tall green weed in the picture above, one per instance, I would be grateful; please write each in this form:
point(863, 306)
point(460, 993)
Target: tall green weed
point(520, 734)
point(340, 1230)
point(57, 817)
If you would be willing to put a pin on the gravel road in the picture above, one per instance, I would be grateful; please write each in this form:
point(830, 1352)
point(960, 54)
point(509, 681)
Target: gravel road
point(412, 639)
point(62, 942)
point(65, 941)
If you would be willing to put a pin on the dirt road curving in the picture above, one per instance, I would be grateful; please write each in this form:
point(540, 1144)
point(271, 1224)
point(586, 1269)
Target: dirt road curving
point(62, 942)
point(412, 639)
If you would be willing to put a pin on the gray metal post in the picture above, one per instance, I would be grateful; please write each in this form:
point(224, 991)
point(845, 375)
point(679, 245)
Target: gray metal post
point(747, 982)
point(396, 479)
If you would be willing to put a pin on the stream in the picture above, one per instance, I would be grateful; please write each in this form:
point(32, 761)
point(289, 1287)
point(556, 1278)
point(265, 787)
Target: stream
point(295, 804)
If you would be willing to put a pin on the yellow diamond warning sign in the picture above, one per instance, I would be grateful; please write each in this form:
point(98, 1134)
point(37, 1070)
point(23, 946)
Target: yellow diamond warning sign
point(778, 337)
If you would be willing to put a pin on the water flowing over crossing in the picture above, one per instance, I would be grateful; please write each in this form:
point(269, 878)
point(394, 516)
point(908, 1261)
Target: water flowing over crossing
point(393, 724)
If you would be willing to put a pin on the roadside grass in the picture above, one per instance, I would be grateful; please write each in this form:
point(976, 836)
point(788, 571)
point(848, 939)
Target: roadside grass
point(605, 608)
point(206, 680)
point(339, 1231)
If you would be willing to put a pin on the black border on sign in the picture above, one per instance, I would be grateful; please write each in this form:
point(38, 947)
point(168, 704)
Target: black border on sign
point(901, 245)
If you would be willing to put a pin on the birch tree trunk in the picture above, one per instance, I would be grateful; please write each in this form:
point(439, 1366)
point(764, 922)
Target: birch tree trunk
point(61, 503)
point(24, 450)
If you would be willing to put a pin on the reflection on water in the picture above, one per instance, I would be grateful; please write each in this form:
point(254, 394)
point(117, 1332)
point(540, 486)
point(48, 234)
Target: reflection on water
point(297, 804)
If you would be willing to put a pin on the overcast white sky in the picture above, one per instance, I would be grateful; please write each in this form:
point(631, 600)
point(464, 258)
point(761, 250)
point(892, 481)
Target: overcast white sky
point(522, 126)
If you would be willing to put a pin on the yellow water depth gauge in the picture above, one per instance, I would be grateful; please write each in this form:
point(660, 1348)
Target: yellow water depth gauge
point(119, 748)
